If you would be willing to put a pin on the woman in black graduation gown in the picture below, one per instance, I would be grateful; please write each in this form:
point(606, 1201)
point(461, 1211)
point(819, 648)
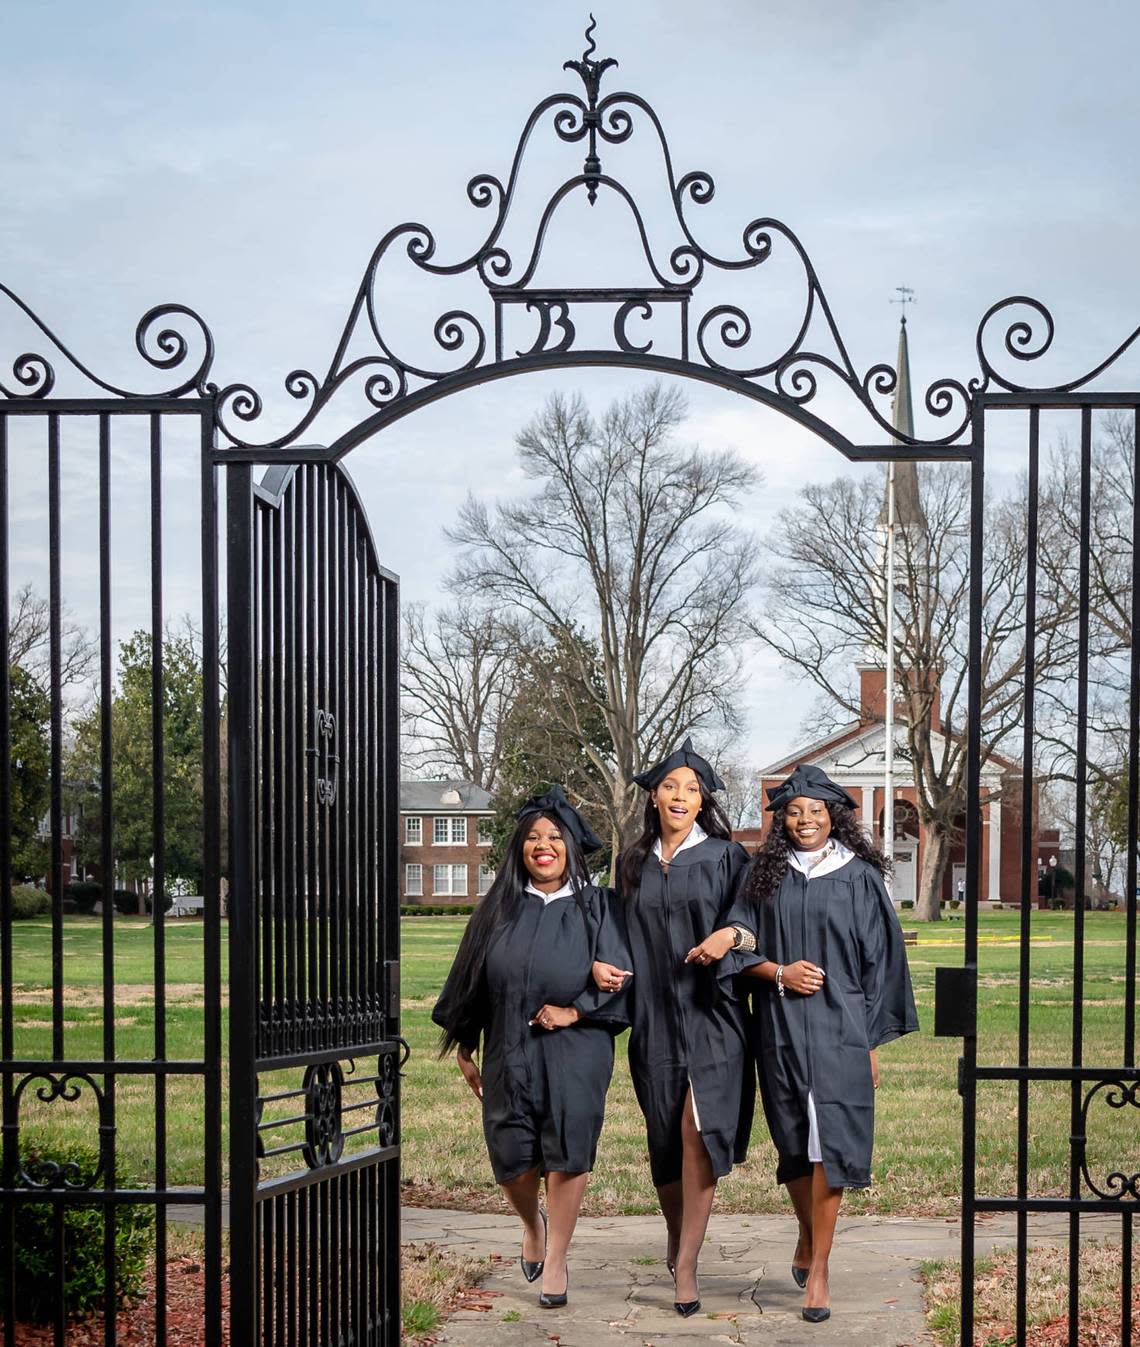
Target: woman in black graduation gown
point(522, 982)
point(834, 986)
point(688, 1046)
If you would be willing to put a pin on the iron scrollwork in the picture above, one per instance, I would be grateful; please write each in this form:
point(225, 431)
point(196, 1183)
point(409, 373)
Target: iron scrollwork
point(1117, 1094)
point(33, 1171)
point(324, 1136)
point(712, 338)
point(327, 760)
point(387, 1081)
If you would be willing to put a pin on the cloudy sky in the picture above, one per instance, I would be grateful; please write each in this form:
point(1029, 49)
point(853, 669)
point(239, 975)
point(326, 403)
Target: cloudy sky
point(245, 158)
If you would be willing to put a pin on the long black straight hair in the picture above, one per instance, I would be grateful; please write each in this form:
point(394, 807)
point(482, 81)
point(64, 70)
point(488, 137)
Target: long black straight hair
point(710, 816)
point(770, 864)
point(500, 904)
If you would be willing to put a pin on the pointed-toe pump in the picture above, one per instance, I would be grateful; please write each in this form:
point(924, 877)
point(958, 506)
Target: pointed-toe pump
point(555, 1302)
point(685, 1308)
point(815, 1314)
point(532, 1271)
point(799, 1276)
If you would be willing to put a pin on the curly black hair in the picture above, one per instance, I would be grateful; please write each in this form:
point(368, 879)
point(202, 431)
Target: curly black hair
point(770, 864)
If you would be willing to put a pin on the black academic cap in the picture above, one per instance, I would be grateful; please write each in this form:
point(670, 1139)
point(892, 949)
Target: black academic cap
point(685, 756)
point(812, 783)
point(555, 805)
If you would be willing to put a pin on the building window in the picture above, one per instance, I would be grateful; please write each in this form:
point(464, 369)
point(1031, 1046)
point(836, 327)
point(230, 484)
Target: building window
point(449, 831)
point(449, 881)
point(413, 881)
point(484, 832)
point(413, 831)
point(486, 878)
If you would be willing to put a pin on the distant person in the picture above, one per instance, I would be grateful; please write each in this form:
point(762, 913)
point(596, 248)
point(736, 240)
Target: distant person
point(688, 1046)
point(521, 984)
point(834, 986)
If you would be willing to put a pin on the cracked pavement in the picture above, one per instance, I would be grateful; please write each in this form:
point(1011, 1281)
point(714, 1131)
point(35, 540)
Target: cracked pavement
point(620, 1290)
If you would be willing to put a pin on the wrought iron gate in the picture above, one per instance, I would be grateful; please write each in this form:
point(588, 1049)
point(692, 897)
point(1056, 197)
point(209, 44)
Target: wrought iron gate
point(1069, 743)
point(314, 936)
point(311, 711)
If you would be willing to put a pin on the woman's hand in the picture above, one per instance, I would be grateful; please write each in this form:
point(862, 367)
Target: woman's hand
point(803, 978)
point(470, 1071)
point(608, 977)
point(874, 1068)
point(713, 947)
point(556, 1017)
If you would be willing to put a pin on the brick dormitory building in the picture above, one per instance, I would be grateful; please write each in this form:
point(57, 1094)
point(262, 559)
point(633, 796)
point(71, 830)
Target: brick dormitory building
point(445, 842)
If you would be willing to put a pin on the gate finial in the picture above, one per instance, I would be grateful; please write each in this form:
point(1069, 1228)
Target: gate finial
point(591, 73)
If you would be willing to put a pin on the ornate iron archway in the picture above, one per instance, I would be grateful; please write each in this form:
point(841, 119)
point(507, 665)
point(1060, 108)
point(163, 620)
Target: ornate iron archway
point(312, 705)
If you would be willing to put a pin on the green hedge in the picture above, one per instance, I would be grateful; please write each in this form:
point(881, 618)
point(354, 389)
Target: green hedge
point(84, 893)
point(28, 901)
point(37, 1290)
point(437, 910)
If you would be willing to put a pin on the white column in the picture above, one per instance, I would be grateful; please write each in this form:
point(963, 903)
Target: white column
point(869, 808)
point(995, 850)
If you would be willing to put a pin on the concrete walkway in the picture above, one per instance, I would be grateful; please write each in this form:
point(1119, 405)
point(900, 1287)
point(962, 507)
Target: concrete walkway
point(616, 1296)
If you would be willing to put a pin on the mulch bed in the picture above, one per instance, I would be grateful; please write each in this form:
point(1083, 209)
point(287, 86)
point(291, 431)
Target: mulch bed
point(135, 1325)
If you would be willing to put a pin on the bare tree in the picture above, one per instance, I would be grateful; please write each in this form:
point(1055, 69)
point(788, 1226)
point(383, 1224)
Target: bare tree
point(742, 797)
point(825, 610)
point(461, 671)
point(628, 558)
point(29, 641)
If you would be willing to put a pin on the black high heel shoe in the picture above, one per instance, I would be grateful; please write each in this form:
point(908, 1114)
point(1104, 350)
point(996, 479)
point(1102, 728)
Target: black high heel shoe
point(532, 1271)
point(555, 1302)
point(800, 1276)
point(685, 1308)
point(815, 1315)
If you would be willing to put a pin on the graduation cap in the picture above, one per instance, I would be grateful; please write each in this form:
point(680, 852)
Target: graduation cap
point(812, 783)
point(556, 806)
point(685, 756)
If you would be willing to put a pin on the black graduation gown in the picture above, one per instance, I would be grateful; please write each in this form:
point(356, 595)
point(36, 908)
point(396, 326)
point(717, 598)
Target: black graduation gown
point(844, 922)
point(686, 1027)
point(544, 1091)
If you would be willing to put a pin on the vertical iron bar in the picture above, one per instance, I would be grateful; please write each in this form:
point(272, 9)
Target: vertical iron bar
point(1079, 866)
point(211, 888)
point(55, 655)
point(158, 885)
point(263, 865)
point(312, 651)
point(242, 909)
point(1133, 841)
point(107, 860)
point(7, 1038)
point(391, 900)
point(279, 1002)
point(287, 691)
point(973, 846)
point(1028, 859)
point(1133, 766)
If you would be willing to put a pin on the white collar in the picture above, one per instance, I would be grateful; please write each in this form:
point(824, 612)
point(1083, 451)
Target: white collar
point(696, 835)
point(836, 855)
point(566, 891)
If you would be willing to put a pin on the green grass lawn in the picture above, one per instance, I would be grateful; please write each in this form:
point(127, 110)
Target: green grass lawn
point(917, 1155)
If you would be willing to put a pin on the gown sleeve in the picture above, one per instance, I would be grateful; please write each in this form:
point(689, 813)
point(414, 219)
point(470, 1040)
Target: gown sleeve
point(608, 943)
point(887, 992)
point(740, 910)
point(464, 1021)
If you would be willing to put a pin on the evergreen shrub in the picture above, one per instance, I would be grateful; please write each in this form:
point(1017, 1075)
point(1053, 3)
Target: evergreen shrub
point(37, 1291)
point(28, 901)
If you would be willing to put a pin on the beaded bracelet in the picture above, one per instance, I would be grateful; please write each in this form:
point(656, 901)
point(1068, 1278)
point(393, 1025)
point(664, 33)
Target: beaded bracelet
point(780, 979)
